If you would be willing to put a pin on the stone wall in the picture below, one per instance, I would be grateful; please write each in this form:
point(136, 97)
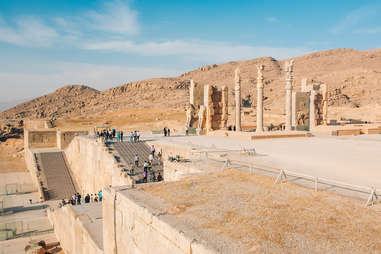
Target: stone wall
point(65, 137)
point(34, 173)
point(92, 166)
point(132, 225)
point(40, 139)
point(76, 231)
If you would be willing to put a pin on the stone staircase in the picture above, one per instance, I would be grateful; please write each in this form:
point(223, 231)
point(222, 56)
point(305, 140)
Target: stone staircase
point(127, 152)
point(56, 178)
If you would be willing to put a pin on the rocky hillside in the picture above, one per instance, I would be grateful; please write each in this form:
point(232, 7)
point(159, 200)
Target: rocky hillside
point(353, 78)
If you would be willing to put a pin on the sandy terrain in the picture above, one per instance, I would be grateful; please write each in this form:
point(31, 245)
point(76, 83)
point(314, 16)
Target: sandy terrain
point(268, 218)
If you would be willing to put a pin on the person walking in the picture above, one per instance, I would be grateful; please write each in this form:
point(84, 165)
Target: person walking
point(137, 160)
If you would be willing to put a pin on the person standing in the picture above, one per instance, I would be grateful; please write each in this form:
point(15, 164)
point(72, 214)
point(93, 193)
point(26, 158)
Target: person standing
point(186, 131)
point(138, 136)
point(132, 137)
point(165, 131)
point(100, 195)
point(153, 150)
point(169, 132)
point(121, 136)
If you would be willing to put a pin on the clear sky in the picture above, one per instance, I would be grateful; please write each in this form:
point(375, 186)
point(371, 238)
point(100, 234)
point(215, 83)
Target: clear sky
point(46, 44)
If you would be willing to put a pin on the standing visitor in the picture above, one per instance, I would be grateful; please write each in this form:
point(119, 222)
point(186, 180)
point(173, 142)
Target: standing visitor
point(165, 131)
point(78, 199)
point(135, 136)
point(118, 135)
point(153, 150)
point(132, 137)
point(87, 198)
point(186, 131)
point(91, 198)
point(138, 136)
point(169, 132)
point(100, 195)
point(121, 136)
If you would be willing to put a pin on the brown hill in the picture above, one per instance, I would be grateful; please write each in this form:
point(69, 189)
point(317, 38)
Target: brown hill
point(353, 78)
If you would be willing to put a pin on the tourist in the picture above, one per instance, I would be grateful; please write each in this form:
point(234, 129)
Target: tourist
point(153, 177)
point(100, 195)
point(153, 150)
point(169, 132)
point(118, 135)
point(149, 166)
point(165, 132)
point(145, 165)
point(87, 198)
point(135, 136)
point(96, 198)
point(91, 198)
point(137, 160)
point(159, 177)
point(132, 137)
point(186, 131)
point(145, 176)
point(121, 136)
point(150, 158)
point(63, 202)
point(138, 136)
point(78, 199)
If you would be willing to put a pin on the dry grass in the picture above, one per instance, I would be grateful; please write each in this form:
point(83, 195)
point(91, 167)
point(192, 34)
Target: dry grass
point(263, 217)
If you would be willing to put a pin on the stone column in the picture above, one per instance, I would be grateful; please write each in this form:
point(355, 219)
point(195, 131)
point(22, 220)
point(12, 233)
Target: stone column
point(260, 99)
point(237, 90)
point(224, 100)
point(293, 112)
point(208, 104)
point(191, 92)
point(325, 103)
point(289, 80)
point(312, 110)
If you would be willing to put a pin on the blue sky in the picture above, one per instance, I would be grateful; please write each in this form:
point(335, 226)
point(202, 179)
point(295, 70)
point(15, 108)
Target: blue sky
point(46, 44)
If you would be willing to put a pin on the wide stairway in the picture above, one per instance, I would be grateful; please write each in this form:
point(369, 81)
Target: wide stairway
point(128, 151)
point(56, 177)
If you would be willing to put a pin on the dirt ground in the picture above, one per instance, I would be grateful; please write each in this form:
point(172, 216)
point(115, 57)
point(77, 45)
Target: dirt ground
point(266, 218)
point(129, 120)
point(12, 156)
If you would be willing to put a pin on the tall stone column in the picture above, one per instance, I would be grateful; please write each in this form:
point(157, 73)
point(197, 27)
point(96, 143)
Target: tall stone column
point(191, 92)
point(260, 99)
point(237, 89)
point(289, 80)
point(224, 100)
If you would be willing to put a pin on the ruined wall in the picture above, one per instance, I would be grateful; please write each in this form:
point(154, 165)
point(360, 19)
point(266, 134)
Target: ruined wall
point(40, 139)
point(71, 230)
point(132, 225)
point(65, 137)
point(92, 166)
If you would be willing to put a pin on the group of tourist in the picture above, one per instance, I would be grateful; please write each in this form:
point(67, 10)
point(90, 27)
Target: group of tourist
point(76, 199)
point(110, 134)
point(167, 132)
point(134, 136)
point(113, 134)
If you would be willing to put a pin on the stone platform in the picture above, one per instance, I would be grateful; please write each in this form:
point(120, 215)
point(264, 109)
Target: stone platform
point(259, 135)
